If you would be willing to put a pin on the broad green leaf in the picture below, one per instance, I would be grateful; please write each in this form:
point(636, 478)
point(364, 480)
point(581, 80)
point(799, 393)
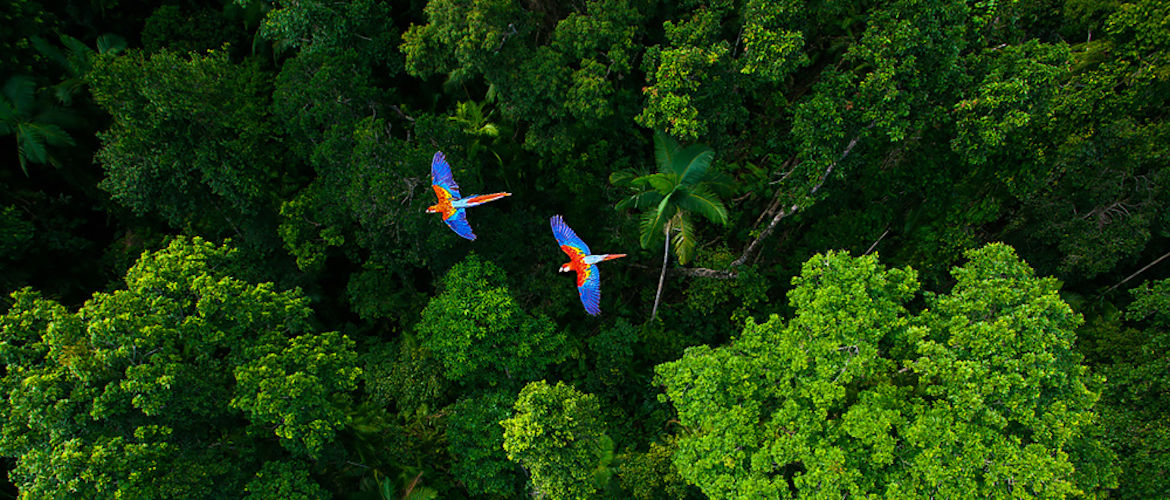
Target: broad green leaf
point(641, 201)
point(703, 202)
point(110, 43)
point(654, 221)
point(20, 91)
point(683, 240)
point(692, 162)
point(665, 149)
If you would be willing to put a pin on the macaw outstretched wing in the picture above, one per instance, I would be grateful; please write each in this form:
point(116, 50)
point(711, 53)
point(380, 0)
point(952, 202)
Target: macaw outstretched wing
point(589, 287)
point(441, 175)
point(458, 223)
point(567, 239)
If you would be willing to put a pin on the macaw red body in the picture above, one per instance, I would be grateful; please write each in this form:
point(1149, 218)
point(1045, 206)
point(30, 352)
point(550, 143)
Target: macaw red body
point(450, 204)
point(583, 263)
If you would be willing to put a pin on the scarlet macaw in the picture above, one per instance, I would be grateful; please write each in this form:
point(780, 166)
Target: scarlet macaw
point(588, 280)
point(450, 204)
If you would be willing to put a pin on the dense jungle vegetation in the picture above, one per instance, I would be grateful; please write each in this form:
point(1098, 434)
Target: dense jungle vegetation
point(876, 249)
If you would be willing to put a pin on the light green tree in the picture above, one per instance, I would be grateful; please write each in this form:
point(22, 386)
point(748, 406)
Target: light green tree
point(186, 383)
point(981, 394)
point(557, 434)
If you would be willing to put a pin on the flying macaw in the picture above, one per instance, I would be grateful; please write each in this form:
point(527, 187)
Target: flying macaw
point(450, 204)
point(588, 280)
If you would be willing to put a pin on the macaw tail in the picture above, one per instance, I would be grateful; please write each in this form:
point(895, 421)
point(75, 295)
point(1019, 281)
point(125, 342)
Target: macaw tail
point(613, 256)
point(480, 199)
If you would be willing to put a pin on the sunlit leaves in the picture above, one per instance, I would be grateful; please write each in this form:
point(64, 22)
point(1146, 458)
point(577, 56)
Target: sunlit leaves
point(138, 392)
point(979, 394)
point(557, 434)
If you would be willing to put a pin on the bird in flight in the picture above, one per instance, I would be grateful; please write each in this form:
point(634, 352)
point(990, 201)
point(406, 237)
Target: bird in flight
point(588, 280)
point(451, 205)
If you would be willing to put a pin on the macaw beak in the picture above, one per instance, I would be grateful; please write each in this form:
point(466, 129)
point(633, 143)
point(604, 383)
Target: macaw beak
point(563, 269)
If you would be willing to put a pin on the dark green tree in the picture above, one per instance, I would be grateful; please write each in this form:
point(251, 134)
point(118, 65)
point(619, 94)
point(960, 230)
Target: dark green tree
point(191, 139)
point(479, 332)
point(1128, 349)
point(476, 442)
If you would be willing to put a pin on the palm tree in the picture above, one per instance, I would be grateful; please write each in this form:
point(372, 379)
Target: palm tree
point(684, 184)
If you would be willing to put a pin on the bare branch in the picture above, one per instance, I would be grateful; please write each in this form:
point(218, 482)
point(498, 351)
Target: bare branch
point(879, 240)
point(702, 272)
point(1139, 271)
point(753, 247)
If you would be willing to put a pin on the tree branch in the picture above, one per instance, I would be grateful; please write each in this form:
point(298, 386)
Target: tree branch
point(879, 240)
point(702, 272)
point(1139, 271)
point(754, 246)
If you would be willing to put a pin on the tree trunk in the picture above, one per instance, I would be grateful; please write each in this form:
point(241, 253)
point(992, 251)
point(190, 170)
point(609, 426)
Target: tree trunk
point(662, 275)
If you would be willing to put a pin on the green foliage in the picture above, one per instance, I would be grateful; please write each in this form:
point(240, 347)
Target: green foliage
point(76, 61)
point(921, 129)
point(476, 441)
point(183, 29)
point(136, 394)
point(16, 233)
point(556, 434)
point(568, 93)
point(480, 334)
point(318, 94)
point(693, 73)
point(302, 388)
point(684, 184)
point(651, 475)
point(1135, 402)
point(35, 126)
point(980, 394)
point(284, 480)
point(191, 138)
point(315, 27)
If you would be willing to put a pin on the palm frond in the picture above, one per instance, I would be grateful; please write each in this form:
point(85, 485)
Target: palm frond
point(110, 43)
point(52, 134)
point(641, 200)
point(78, 54)
point(720, 183)
point(622, 178)
point(692, 162)
point(665, 149)
point(20, 91)
point(654, 221)
point(683, 240)
point(702, 201)
point(30, 145)
point(662, 183)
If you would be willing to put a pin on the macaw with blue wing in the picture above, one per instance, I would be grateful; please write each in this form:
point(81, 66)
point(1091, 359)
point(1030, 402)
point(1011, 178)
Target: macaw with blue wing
point(451, 204)
point(581, 261)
